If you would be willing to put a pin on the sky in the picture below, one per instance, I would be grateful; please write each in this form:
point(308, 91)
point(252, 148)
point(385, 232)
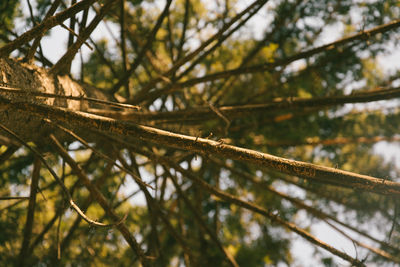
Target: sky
point(54, 47)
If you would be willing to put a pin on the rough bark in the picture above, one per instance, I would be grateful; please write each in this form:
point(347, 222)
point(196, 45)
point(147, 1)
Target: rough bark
point(32, 79)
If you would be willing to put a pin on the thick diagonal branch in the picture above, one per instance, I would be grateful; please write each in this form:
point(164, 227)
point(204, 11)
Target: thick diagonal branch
point(201, 145)
point(314, 211)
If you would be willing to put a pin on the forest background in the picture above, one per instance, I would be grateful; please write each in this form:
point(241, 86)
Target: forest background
point(207, 70)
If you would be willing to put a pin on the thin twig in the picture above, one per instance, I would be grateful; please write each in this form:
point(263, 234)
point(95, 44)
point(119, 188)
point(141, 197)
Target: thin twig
point(72, 23)
point(122, 15)
point(377, 251)
point(13, 198)
point(161, 213)
point(240, 111)
point(184, 28)
point(15, 90)
point(394, 220)
point(98, 183)
point(13, 204)
point(318, 213)
point(58, 236)
point(8, 153)
point(219, 113)
point(40, 237)
point(77, 35)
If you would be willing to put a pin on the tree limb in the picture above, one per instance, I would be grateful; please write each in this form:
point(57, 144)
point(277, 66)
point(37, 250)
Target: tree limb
point(201, 145)
point(44, 26)
point(31, 211)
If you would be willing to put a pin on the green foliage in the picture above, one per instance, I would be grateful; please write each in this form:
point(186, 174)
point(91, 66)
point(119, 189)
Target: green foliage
point(311, 134)
point(8, 11)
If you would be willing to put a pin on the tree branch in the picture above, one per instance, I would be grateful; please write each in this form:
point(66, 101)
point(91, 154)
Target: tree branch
point(31, 52)
point(44, 26)
point(66, 59)
point(20, 91)
point(200, 145)
point(240, 111)
point(301, 205)
point(161, 213)
point(100, 154)
point(31, 211)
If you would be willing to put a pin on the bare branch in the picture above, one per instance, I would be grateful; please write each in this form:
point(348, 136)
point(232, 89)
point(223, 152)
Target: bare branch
point(48, 226)
point(14, 90)
point(161, 213)
point(301, 205)
point(124, 56)
point(31, 52)
point(44, 26)
point(201, 145)
point(335, 141)
point(76, 35)
point(240, 111)
point(13, 198)
point(67, 58)
point(377, 251)
point(184, 28)
point(31, 211)
point(8, 153)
